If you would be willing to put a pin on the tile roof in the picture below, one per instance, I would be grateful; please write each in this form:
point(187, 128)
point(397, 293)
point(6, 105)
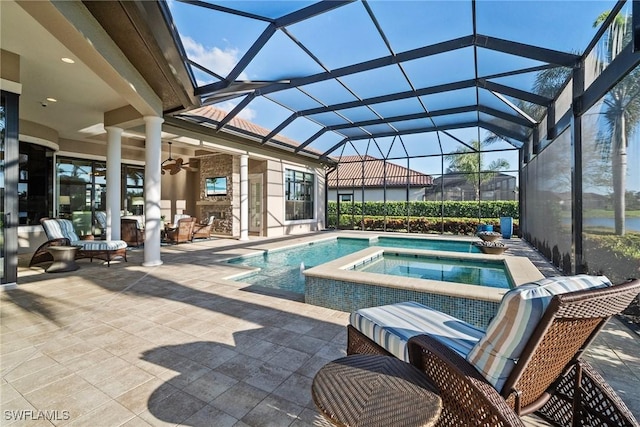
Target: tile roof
point(350, 172)
point(213, 116)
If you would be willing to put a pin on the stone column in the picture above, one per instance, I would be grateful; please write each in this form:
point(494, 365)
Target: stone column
point(244, 197)
point(152, 193)
point(114, 165)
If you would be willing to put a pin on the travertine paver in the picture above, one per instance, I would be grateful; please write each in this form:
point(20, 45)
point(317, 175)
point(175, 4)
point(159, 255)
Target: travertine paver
point(178, 345)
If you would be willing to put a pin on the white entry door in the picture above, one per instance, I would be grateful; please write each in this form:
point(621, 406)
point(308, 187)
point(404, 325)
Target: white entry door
point(255, 203)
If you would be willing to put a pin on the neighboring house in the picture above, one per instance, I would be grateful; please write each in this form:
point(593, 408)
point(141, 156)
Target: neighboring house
point(371, 177)
point(456, 186)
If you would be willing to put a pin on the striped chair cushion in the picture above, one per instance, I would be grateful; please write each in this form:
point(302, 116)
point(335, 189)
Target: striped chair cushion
point(518, 315)
point(59, 228)
point(100, 245)
point(101, 217)
point(391, 326)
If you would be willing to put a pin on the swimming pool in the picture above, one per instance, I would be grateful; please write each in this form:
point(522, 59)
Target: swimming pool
point(470, 272)
point(343, 285)
point(282, 269)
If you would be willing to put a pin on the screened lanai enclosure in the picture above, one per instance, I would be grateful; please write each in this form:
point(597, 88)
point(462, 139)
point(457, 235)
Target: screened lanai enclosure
point(437, 116)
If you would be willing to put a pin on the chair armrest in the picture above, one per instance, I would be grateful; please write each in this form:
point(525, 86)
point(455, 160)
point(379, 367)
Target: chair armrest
point(467, 398)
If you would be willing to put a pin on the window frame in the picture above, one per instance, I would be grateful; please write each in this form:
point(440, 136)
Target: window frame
point(313, 193)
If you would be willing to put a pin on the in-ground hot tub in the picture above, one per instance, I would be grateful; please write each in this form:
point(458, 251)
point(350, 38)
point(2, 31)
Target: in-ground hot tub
point(343, 285)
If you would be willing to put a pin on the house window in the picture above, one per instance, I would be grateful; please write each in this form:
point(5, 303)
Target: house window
point(299, 191)
point(81, 189)
point(82, 192)
point(35, 185)
point(133, 183)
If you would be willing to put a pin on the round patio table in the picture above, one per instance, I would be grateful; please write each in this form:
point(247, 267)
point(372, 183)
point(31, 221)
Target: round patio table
point(64, 258)
point(375, 391)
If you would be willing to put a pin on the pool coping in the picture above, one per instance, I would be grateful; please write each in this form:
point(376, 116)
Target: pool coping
point(276, 247)
point(520, 270)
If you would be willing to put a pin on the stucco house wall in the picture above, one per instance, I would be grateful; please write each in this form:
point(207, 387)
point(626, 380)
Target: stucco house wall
point(377, 194)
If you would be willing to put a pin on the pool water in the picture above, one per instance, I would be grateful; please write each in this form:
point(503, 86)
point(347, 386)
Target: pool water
point(282, 269)
point(492, 274)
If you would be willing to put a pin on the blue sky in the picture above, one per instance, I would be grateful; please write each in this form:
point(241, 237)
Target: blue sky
point(346, 35)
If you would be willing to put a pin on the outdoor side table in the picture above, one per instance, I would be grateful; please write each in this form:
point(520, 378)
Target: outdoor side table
point(374, 390)
point(64, 258)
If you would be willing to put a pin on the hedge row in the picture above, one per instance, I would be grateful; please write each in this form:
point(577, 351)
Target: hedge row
point(488, 209)
point(417, 225)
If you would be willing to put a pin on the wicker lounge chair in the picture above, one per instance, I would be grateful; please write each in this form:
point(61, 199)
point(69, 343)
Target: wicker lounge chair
point(60, 232)
point(542, 370)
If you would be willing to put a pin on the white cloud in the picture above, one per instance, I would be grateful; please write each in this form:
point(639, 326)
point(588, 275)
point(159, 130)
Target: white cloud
point(220, 61)
point(246, 113)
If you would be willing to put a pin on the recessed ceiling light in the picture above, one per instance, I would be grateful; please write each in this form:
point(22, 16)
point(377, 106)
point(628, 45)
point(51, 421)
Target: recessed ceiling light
point(68, 60)
point(52, 100)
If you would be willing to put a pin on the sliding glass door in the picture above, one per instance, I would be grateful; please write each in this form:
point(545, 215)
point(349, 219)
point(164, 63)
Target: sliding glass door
point(8, 187)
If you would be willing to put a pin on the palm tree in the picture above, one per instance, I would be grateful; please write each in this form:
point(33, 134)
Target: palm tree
point(621, 115)
point(469, 162)
point(621, 110)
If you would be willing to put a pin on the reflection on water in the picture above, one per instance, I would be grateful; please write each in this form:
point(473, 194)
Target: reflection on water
point(447, 270)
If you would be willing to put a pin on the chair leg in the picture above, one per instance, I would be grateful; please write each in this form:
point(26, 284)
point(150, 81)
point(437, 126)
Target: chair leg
point(598, 403)
point(577, 395)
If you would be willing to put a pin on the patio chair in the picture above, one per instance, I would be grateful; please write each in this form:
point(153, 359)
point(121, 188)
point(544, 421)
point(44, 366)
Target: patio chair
point(529, 357)
point(60, 232)
point(181, 232)
point(131, 231)
point(202, 230)
point(101, 220)
point(178, 217)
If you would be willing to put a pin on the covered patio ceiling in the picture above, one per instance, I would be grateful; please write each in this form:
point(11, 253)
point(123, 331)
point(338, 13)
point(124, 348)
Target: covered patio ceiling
point(427, 73)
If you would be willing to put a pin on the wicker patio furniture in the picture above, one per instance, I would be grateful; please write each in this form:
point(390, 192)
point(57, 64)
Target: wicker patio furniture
point(529, 359)
point(180, 232)
point(131, 231)
point(375, 391)
point(202, 230)
point(101, 222)
point(60, 232)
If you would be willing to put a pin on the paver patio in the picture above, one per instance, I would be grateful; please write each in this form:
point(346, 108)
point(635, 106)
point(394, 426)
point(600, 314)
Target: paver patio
point(178, 345)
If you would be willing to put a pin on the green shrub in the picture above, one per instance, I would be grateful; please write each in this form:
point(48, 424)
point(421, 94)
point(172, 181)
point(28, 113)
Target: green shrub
point(416, 224)
point(488, 209)
point(617, 257)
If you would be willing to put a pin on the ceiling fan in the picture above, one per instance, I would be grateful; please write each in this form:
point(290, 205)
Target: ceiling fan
point(173, 165)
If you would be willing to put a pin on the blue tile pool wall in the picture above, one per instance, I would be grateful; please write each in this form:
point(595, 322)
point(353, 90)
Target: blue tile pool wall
point(350, 296)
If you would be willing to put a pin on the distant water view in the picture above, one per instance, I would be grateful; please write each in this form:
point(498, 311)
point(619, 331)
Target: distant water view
point(631, 224)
